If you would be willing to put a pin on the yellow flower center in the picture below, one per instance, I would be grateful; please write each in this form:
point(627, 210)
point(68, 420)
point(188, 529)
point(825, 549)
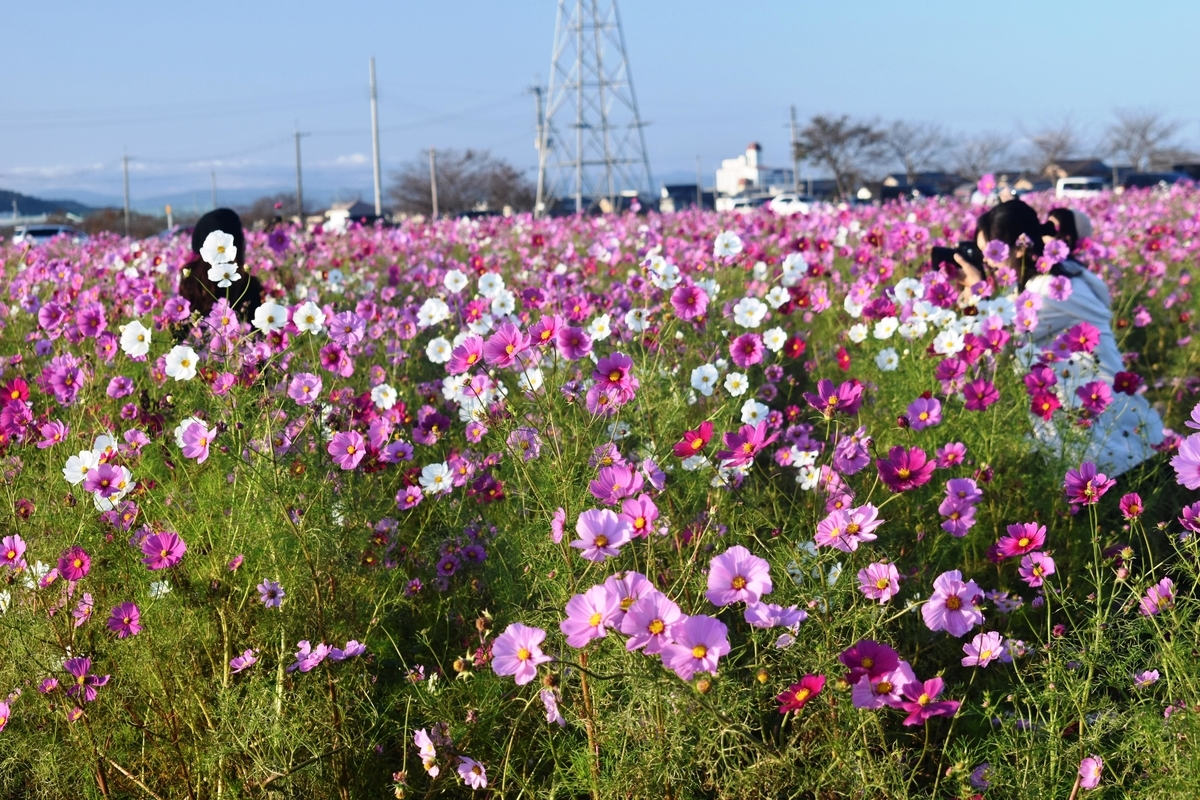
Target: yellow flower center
point(882, 583)
point(953, 603)
point(802, 694)
point(523, 654)
point(656, 627)
point(985, 655)
point(738, 582)
point(594, 619)
point(600, 541)
point(699, 651)
point(883, 687)
point(904, 472)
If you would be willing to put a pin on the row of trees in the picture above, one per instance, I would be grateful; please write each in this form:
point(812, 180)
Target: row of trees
point(856, 150)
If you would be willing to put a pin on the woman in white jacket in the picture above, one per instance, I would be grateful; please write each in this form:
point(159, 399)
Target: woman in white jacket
point(1123, 435)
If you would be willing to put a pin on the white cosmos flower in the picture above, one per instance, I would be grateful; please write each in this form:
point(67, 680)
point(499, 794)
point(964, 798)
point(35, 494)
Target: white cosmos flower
point(852, 308)
point(159, 589)
point(749, 312)
point(600, 328)
point(436, 478)
point(704, 378)
point(736, 384)
point(34, 574)
point(481, 326)
point(503, 303)
point(727, 244)
point(774, 339)
point(794, 268)
point(803, 458)
point(455, 281)
point(907, 289)
point(777, 296)
point(760, 270)
point(433, 311)
point(636, 319)
point(79, 466)
point(693, 463)
point(857, 333)
point(885, 327)
point(270, 317)
point(530, 379)
point(710, 287)
point(948, 343)
point(383, 396)
point(5, 601)
point(808, 477)
point(135, 339)
point(181, 363)
point(309, 318)
point(438, 350)
point(218, 248)
point(664, 275)
point(913, 329)
point(887, 360)
point(224, 274)
point(491, 284)
point(754, 412)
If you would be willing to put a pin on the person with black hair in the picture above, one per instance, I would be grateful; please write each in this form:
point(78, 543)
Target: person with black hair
point(1069, 227)
point(1064, 295)
point(201, 291)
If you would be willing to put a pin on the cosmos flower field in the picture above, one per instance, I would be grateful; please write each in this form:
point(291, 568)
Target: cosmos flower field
point(690, 505)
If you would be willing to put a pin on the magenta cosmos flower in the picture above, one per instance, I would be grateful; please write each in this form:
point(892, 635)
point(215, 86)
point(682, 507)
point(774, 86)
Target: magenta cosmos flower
point(573, 343)
point(650, 623)
point(163, 550)
point(921, 703)
point(984, 649)
point(1022, 538)
point(951, 608)
point(196, 441)
point(1187, 462)
point(905, 469)
point(125, 620)
point(305, 388)
point(472, 773)
point(615, 483)
point(689, 301)
point(641, 514)
point(879, 581)
point(1159, 598)
point(699, 642)
point(743, 446)
point(737, 575)
point(924, 412)
point(601, 534)
point(1085, 486)
point(518, 652)
point(74, 563)
point(746, 350)
point(12, 551)
point(884, 689)
point(868, 657)
point(347, 449)
point(798, 694)
point(845, 399)
point(505, 346)
point(1035, 568)
point(85, 685)
point(979, 394)
point(615, 373)
point(465, 356)
point(846, 530)
point(589, 615)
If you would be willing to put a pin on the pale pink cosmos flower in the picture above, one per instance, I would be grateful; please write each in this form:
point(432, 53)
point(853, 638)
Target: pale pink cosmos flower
point(601, 534)
point(589, 615)
point(518, 652)
point(737, 575)
point(699, 642)
point(984, 649)
point(951, 608)
point(650, 622)
point(879, 581)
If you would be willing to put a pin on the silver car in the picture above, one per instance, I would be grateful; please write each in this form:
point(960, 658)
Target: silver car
point(37, 234)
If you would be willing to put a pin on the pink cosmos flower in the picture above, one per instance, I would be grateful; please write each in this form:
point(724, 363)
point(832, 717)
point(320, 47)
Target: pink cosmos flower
point(12, 551)
point(305, 388)
point(905, 469)
point(347, 449)
point(545, 330)
point(615, 373)
point(1090, 770)
point(505, 346)
point(472, 773)
point(308, 657)
point(52, 433)
point(246, 660)
point(694, 442)
point(984, 649)
point(869, 658)
point(964, 490)
point(628, 587)
point(737, 575)
point(615, 483)
point(689, 301)
point(798, 694)
point(573, 343)
point(1035, 568)
point(1187, 462)
point(1190, 518)
point(5, 715)
point(877, 691)
point(1083, 337)
point(74, 563)
point(743, 446)
point(650, 623)
point(518, 652)
point(770, 615)
point(1131, 506)
point(163, 550)
point(960, 516)
point(952, 608)
point(125, 620)
point(641, 514)
point(1086, 486)
point(465, 356)
point(105, 480)
point(746, 350)
point(1159, 598)
point(924, 413)
point(845, 399)
point(196, 441)
point(84, 686)
point(1022, 538)
point(921, 703)
point(553, 714)
point(699, 642)
point(879, 581)
point(979, 394)
point(589, 615)
point(601, 534)
point(557, 525)
point(1095, 396)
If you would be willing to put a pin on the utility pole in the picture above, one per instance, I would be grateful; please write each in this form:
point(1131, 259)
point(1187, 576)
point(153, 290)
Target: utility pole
point(699, 186)
point(795, 159)
point(540, 144)
point(214, 188)
point(375, 142)
point(170, 219)
point(433, 179)
point(125, 170)
point(299, 181)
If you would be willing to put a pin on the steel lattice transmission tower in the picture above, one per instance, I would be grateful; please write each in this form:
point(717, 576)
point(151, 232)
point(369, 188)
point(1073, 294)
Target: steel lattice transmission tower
point(591, 100)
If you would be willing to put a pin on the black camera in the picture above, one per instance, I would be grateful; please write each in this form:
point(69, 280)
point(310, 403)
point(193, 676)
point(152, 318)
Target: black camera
point(969, 251)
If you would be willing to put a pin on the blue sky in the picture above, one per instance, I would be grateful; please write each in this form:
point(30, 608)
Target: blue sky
point(191, 88)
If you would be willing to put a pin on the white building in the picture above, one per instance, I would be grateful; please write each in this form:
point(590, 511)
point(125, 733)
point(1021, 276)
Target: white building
point(747, 175)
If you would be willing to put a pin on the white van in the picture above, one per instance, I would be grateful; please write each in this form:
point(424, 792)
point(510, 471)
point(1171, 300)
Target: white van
point(1079, 187)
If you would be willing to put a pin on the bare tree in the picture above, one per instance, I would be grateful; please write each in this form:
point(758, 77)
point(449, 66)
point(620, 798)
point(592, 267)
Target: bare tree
point(917, 146)
point(981, 154)
point(845, 147)
point(266, 209)
point(1050, 145)
point(466, 179)
point(1144, 138)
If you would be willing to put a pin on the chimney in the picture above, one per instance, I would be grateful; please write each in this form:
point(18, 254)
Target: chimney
point(752, 152)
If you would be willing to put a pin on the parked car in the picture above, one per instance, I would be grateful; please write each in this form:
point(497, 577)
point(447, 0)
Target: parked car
point(746, 205)
point(1079, 187)
point(36, 234)
point(787, 204)
point(1150, 180)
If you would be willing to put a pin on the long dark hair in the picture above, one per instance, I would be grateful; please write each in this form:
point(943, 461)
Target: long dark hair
point(196, 287)
point(1008, 222)
point(1065, 229)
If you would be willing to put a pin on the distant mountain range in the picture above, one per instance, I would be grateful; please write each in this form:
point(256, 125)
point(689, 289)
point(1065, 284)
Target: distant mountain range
point(27, 205)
